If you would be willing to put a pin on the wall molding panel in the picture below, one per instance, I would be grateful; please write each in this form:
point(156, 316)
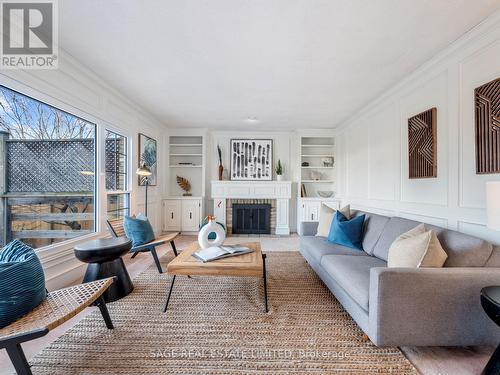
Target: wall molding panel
point(456, 197)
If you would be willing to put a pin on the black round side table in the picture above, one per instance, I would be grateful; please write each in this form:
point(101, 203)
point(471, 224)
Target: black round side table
point(490, 300)
point(104, 257)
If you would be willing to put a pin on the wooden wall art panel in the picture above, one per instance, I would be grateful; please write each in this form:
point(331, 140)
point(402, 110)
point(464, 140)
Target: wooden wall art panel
point(487, 102)
point(422, 144)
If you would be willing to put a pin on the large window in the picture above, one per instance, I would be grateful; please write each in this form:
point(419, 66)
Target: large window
point(116, 161)
point(47, 179)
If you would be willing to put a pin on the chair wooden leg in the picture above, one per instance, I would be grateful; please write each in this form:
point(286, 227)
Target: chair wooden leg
point(18, 359)
point(104, 312)
point(157, 261)
point(173, 247)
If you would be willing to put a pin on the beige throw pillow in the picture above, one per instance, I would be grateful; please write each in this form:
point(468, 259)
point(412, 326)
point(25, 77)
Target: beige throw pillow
point(326, 215)
point(416, 248)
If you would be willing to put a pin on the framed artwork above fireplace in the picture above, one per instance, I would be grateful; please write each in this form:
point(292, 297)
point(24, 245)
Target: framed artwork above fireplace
point(251, 159)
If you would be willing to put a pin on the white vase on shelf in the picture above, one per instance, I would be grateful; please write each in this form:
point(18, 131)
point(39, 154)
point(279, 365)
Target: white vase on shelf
point(211, 227)
point(279, 177)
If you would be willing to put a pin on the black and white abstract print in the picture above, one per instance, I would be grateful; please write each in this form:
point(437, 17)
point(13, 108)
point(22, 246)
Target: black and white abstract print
point(252, 159)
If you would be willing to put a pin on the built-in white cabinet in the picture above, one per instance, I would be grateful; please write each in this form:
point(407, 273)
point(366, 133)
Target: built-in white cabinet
point(183, 210)
point(190, 215)
point(171, 215)
point(308, 209)
point(182, 214)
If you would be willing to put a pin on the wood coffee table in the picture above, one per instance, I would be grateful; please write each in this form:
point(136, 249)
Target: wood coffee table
point(250, 264)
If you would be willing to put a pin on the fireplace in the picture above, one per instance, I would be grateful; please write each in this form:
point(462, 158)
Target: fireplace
point(276, 193)
point(251, 218)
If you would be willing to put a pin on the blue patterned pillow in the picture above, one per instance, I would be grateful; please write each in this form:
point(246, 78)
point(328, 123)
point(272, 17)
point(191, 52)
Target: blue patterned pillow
point(347, 232)
point(138, 230)
point(22, 282)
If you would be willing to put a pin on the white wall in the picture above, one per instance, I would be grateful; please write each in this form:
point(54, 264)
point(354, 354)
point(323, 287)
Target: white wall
point(78, 91)
point(374, 143)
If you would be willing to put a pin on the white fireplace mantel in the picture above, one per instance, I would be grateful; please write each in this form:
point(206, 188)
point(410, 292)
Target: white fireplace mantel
point(279, 190)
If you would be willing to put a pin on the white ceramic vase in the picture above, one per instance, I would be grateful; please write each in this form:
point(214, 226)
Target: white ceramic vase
point(279, 177)
point(212, 226)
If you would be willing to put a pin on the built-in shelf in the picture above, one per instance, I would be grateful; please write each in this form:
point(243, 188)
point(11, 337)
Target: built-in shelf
point(317, 156)
point(309, 167)
point(312, 150)
point(186, 154)
point(189, 149)
point(186, 144)
point(318, 181)
point(315, 146)
point(185, 166)
point(318, 199)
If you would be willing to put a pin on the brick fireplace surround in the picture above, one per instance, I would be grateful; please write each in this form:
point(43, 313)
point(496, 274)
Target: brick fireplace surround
point(276, 193)
point(229, 211)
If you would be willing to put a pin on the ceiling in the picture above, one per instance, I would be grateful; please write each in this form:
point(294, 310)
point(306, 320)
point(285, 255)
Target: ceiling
point(286, 64)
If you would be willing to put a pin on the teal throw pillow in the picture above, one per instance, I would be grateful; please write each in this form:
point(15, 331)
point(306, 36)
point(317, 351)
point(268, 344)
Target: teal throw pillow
point(347, 232)
point(22, 281)
point(138, 230)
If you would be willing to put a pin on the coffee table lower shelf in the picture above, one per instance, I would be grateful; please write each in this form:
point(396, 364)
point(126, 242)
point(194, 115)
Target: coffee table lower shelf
point(251, 264)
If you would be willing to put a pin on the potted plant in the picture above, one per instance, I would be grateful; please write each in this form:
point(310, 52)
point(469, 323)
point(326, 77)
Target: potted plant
point(279, 171)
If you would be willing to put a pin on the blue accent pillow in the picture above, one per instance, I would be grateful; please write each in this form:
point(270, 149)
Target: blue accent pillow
point(138, 229)
point(22, 281)
point(347, 232)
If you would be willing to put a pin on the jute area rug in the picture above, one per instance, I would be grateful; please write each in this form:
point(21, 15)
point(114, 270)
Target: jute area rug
point(217, 326)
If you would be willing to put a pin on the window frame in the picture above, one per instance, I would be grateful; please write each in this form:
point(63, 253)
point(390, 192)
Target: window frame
point(128, 180)
point(54, 254)
point(40, 97)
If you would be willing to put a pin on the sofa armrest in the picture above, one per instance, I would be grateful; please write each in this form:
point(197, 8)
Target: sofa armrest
point(431, 306)
point(308, 228)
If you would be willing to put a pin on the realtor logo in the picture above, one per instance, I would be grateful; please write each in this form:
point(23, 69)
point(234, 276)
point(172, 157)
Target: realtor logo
point(29, 34)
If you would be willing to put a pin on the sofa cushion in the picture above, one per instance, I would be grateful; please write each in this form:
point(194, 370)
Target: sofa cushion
point(395, 227)
point(463, 250)
point(347, 232)
point(374, 224)
point(326, 215)
point(317, 247)
point(494, 259)
point(416, 248)
point(352, 273)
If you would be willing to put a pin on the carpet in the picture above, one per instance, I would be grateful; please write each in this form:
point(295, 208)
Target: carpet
point(217, 326)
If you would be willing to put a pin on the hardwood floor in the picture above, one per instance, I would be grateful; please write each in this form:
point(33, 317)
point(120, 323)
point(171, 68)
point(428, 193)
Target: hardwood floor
point(428, 360)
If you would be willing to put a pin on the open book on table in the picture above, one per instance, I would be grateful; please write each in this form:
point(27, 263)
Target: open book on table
point(219, 252)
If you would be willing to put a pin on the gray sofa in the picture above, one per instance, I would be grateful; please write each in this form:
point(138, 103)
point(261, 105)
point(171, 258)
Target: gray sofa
point(403, 306)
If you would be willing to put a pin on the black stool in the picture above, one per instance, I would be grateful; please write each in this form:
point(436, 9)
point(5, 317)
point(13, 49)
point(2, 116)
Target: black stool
point(104, 259)
point(490, 300)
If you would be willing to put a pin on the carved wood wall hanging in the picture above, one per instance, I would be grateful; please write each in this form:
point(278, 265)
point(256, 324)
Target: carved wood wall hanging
point(487, 113)
point(422, 144)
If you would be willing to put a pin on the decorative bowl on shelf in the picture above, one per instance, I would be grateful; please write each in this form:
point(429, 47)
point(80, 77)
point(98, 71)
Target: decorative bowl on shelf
point(325, 193)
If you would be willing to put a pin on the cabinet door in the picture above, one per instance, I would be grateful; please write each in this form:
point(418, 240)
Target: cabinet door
point(171, 215)
point(312, 211)
point(302, 212)
point(190, 215)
